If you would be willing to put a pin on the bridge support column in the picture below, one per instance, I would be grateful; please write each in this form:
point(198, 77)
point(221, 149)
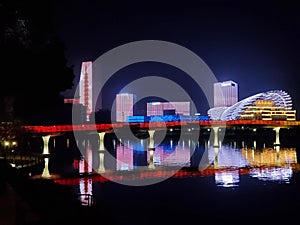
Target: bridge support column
point(46, 173)
point(277, 147)
point(151, 149)
point(46, 154)
point(216, 161)
point(216, 137)
point(151, 161)
point(101, 151)
point(151, 139)
point(46, 144)
point(277, 138)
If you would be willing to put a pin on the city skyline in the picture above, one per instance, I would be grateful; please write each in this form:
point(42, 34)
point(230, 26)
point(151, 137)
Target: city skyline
point(227, 105)
point(253, 43)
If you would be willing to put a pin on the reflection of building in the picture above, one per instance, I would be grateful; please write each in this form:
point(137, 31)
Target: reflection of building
point(85, 87)
point(269, 156)
point(172, 155)
point(124, 106)
point(124, 157)
point(228, 178)
point(86, 191)
point(282, 174)
point(225, 93)
point(227, 157)
point(167, 108)
point(266, 110)
point(280, 99)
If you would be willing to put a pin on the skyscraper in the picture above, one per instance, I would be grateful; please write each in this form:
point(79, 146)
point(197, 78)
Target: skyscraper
point(85, 87)
point(124, 106)
point(225, 93)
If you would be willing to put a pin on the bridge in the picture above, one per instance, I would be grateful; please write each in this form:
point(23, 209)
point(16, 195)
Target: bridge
point(160, 125)
point(151, 127)
point(47, 131)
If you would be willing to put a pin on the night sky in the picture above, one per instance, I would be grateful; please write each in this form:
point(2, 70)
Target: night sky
point(254, 43)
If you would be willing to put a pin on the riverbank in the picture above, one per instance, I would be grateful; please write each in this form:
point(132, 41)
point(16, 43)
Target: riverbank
point(27, 201)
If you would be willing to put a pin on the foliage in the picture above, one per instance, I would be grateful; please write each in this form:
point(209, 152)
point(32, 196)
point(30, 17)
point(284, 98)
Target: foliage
point(34, 66)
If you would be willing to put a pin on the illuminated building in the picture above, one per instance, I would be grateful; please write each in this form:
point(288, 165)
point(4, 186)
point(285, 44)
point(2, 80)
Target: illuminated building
point(279, 97)
point(265, 110)
point(163, 108)
point(85, 87)
point(165, 118)
point(124, 106)
point(225, 93)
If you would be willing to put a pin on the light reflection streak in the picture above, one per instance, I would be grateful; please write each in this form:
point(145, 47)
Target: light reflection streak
point(267, 164)
point(281, 174)
point(227, 178)
point(86, 191)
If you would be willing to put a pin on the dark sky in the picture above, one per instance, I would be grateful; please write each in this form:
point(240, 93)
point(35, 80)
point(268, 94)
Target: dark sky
point(254, 43)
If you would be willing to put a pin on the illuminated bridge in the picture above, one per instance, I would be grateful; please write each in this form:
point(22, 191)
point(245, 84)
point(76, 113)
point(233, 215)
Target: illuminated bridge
point(160, 125)
point(46, 132)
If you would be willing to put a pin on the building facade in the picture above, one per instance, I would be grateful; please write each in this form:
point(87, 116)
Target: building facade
point(275, 104)
point(85, 87)
point(164, 108)
point(124, 106)
point(266, 110)
point(225, 94)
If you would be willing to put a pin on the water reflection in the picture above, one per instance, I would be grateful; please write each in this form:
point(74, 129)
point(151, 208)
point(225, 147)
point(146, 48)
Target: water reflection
point(86, 191)
point(229, 178)
point(224, 162)
point(281, 174)
point(269, 156)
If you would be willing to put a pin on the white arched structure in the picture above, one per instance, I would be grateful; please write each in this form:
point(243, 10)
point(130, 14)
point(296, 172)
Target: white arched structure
point(280, 98)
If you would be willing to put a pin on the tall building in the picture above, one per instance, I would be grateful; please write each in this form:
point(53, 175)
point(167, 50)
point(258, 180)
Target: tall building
point(124, 106)
point(163, 108)
point(225, 93)
point(85, 87)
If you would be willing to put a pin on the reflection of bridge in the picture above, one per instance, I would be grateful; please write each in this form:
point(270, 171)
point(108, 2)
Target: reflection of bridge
point(166, 173)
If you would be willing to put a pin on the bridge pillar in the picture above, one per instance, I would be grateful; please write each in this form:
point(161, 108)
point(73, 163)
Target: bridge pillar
point(46, 173)
point(46, 144)
point(277, 147)
point(277, 139)
point(151, 161)
point(46, 153)
point(101, 151)
point(216, 137)
point(151, 139)
point(216, 161)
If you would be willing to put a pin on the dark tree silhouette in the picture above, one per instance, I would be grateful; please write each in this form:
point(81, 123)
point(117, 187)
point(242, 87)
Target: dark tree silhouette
point(33, 64)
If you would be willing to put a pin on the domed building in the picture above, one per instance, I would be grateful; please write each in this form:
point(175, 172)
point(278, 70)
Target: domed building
point(270, 105)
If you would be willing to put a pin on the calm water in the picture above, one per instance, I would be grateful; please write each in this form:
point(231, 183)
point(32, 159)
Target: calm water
point(240, 181)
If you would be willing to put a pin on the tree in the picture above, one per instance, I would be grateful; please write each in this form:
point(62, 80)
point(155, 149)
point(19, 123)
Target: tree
point(34, 68)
